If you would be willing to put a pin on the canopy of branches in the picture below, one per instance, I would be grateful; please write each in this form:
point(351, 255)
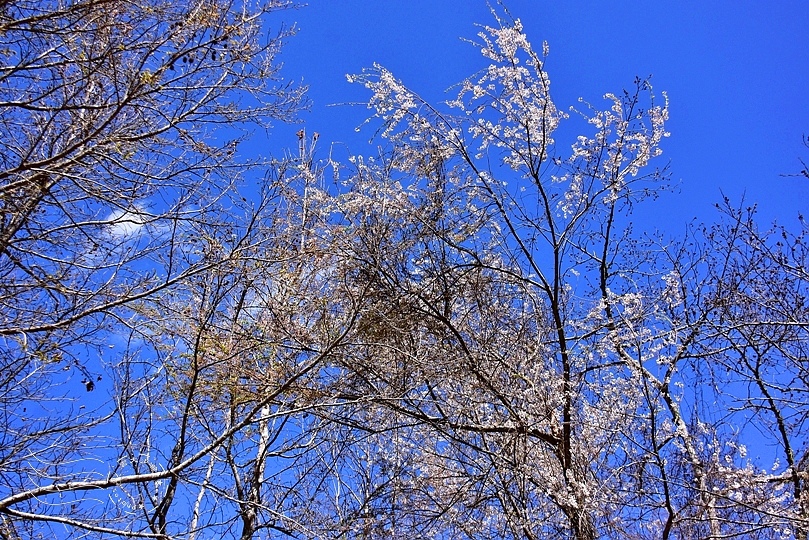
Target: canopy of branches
point(461, 337)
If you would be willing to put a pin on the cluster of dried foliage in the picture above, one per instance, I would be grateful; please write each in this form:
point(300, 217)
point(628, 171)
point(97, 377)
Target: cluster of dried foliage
point(461, 338)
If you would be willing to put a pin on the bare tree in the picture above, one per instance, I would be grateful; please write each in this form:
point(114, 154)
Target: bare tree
point(744, 302)
point(109, 114)
point(214, 428)
point(120, 221)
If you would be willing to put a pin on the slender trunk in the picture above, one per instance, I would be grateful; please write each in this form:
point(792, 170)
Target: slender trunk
point(198, 503)
point(249, 507)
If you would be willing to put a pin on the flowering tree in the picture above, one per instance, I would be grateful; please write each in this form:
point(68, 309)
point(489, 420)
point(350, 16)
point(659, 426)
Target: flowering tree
point(532, 367)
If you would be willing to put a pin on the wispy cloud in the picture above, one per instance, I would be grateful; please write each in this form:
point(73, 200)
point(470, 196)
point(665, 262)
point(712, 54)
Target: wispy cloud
point(127, 224)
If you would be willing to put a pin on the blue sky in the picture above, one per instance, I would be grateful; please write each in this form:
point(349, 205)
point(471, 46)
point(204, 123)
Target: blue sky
point(736, 73)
